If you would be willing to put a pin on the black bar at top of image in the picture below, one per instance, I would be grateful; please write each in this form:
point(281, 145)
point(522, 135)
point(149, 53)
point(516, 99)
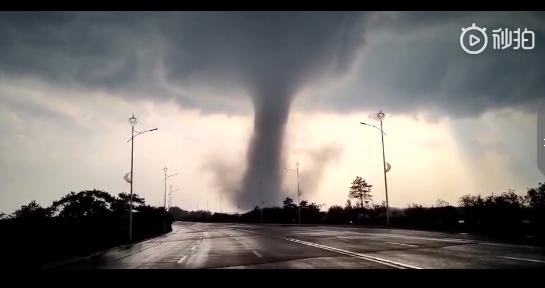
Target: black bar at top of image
point(312, 5)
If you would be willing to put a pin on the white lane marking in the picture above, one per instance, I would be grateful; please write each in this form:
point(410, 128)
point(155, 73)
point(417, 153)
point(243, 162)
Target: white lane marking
point(505, 245)
point(159, 243)
point(242, 242)
point(247, 247)
point(257, 254)
point(402, 244)
point(246, 231)
point(419, 238)
point(522, 259)
point(182, 259)
point(189, 260)
point(357, 255)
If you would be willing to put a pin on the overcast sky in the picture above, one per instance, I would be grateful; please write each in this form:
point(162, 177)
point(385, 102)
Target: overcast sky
point(233, 93)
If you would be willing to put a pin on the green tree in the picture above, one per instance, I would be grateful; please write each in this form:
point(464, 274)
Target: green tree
point(361, 191)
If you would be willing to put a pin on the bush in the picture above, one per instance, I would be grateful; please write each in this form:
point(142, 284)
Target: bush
point(77, 224)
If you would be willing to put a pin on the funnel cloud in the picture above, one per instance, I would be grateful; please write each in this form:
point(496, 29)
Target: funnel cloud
point(271, 56)
point(274, 74)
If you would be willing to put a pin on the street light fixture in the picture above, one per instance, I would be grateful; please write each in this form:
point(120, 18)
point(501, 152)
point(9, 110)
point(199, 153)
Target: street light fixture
point(132, 122)
point(298, 190)
point(385, 167)
point(371, 125)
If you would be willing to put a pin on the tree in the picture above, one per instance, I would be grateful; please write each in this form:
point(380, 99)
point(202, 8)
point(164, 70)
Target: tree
point(337, 215)
point(536, 196)
point(289, 213)
point(311, 213)
point(177, 213)
point(122, 204)
point(441, 203)
point(470, 201)
point(507, 200)
point(84, 203)
point(288, 203)
point(32, 211)
point(361, 191)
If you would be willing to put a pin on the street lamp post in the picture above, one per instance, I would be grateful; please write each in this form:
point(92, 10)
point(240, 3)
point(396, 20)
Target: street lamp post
point(133, 122)
point(380, 116)
point(261, 198)
point(170, 196)
point(298, 190)
point(165, 196)
point(238, 203)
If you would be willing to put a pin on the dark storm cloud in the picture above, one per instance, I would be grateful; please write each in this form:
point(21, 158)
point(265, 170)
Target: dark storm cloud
point(91, 49)
point(413, 63)
point(268, 55)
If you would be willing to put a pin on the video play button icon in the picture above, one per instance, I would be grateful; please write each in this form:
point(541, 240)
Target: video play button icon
point(473, 39)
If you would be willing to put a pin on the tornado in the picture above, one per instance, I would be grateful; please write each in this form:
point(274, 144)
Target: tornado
point(271, 56)
point(261, 183)
point(333, 39)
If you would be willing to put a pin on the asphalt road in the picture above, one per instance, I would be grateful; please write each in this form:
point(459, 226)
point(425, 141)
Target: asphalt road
point(218, 245)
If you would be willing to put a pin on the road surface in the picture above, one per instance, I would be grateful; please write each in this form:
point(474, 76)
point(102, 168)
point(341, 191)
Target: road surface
point(219, 245)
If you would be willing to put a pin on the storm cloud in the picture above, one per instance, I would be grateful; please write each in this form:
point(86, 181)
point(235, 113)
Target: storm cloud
point(412, 60)
point(413, 63)
point(404, 63)
point(269, 56)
